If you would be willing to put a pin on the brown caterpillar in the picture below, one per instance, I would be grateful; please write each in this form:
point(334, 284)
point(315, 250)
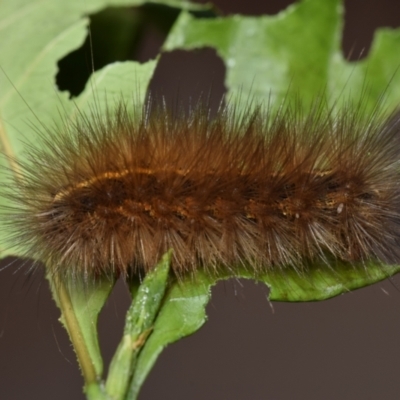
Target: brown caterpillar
point(112, 193)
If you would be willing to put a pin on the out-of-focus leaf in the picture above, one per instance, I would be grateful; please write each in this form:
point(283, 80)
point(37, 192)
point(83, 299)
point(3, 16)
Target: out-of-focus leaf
point(296, 53)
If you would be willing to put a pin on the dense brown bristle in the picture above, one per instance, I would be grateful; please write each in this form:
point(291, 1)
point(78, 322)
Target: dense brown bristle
point(112, 194)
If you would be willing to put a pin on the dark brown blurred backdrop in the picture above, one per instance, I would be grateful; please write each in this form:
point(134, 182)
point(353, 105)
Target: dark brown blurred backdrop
point(345, 348)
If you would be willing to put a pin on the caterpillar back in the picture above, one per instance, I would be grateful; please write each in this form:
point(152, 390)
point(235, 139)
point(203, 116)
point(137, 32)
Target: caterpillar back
point(112, 193)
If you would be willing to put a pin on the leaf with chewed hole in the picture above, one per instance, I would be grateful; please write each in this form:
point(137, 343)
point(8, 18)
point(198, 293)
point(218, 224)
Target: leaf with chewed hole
point(296, 53)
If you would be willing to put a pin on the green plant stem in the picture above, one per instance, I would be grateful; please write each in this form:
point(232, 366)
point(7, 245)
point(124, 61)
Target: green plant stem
point(139, 323)
point(75, 334)
point(96, 391)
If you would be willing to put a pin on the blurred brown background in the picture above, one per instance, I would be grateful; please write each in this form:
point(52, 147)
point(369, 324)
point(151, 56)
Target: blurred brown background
point(343, 348)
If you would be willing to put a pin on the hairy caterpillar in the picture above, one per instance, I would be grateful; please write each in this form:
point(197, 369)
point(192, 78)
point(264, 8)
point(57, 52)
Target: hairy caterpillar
point(255, 189)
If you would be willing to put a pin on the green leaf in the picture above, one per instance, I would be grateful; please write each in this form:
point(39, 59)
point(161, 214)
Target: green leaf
point(183, 312)
point(374, 76)
point(265, 55)
point(29, 57)
point(295, 53)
